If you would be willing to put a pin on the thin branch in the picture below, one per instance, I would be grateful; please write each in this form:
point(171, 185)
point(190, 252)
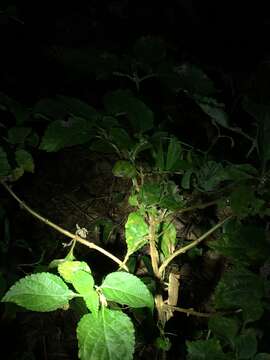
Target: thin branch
point(192, 244)
point(188, 311)
point(67, 233)
point(198, 206)
point(197, 313)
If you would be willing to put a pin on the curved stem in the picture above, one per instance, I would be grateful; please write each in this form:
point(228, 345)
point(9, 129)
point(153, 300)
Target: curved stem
point(191, 245)
point(67, 233)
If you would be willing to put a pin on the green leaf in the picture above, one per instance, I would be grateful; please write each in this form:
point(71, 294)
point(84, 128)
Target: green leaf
point(92, 301)
point(262, 356)
point(244, 202)
point(150, 194)
point(240, 288)
point(210, 175)
point(194, 80)
point(120, 138)
point(62, 106)
point(68, 268)
point(83, 283)
point(40, 292)
point(206, 350)
point(24, 160)
point(246, 345)
point(168, 239)
point(186, 179)
point(243, 244)
point(216, 112)
point(4, 164)
point(60, 134)
point(108, 336)
point(78, 108)
point(18, 135)
point(171, 198)
point(136, 231)
point(224, 327)
point(127, 289)
point(139, 115)
point(124, 168)
point(173, 155)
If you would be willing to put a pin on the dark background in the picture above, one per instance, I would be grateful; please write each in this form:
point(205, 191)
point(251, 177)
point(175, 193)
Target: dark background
point(234, 38)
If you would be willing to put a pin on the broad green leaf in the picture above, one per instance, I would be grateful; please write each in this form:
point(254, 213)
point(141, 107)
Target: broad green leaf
point(240, 172)
point(186, 179)
point(246, 345)
point(4, 164)
point(140, 116)
point(217, 113)
point(171, 198)
point(124, 168)
point(206, 350)
point(92, 301)
point(16, 173)
point(50, 108)
point(83, 283)
point(61, 133)
point(62, 106)
point(243, 244)
point(168, 238)
point(78, 108)
point(127, 289)
point(150, 194)
point(108, 336)
point(120, 138)
point(136, 231)
point(24, 160)
point(18, 134)
point(262, 356)
point(40, 292)
point(210, 175)
point(173, 155)
point(244, 201)
point(224, 327)
point(240, 288)
point(194, 80)
point(68, 268)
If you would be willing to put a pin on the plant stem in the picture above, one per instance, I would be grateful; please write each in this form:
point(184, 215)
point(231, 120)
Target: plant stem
point(191, 245)
point(188, 311)
point(67, 233)
point(198, 206)
point(152, 243)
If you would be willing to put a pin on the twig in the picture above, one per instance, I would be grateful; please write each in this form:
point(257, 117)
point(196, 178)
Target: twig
point(188, 311)
point(198, 206)
point(200, 314)
point(192, 244)
point(67, 233)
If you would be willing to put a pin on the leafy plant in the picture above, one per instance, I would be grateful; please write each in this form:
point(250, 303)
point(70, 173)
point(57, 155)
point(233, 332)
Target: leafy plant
point(167, 179)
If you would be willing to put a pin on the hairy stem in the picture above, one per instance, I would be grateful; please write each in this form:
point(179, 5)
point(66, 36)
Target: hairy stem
point(191, 245)
point(67, 233)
